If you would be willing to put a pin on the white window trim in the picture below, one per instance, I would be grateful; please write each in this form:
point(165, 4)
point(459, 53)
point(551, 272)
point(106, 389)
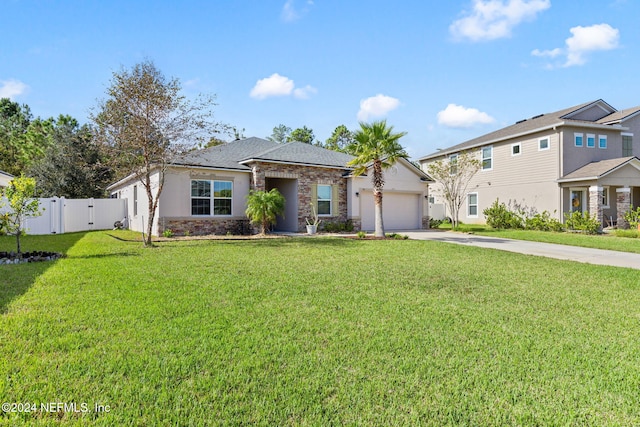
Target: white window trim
point(540, 144)
point(482, 159)
point(211, 198)
point(318, 199)
point(519, 145)
point(452, 158)
point(608, 195)
point(477, 205)
point(575, 139)
point(602, 137)
point(590, 135)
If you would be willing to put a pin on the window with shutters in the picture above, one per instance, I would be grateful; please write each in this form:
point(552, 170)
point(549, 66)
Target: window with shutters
point(324, 200)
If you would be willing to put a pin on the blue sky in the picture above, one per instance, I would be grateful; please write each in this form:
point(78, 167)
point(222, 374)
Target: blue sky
point(443, 71)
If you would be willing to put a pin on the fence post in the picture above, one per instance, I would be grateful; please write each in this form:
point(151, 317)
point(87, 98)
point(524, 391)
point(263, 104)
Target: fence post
point(91, 213)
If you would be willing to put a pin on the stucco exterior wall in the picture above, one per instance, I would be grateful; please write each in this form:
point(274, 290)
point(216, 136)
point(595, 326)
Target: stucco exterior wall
point(403, 183)
point(137, 202)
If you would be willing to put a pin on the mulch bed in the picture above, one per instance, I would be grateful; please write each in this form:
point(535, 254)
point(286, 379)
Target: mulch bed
point(34, 256)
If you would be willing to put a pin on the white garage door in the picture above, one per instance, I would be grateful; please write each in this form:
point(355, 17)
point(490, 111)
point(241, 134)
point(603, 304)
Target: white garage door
point(400, 211)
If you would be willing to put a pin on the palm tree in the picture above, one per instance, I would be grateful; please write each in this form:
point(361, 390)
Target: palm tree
point(376, 146)
point(264, 206)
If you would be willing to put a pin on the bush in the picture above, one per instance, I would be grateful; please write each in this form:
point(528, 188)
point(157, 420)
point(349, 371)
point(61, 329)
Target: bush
point(361, 234)
point(584, 222)
point(338, 227)
point(167, 233)
point(435, 223)
point(543, 222)
point(633, 217)
point(499, 216)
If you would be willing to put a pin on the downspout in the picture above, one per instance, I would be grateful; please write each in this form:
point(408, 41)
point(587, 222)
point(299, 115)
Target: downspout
point(560, 171)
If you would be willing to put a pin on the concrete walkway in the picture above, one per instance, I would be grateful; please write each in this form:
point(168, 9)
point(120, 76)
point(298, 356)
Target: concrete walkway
point(550, 250)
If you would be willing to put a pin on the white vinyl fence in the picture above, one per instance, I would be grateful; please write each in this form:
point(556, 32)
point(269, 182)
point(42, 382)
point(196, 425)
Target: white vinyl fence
point(62, 215)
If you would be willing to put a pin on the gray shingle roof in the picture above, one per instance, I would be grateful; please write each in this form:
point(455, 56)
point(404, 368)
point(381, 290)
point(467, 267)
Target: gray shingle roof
point(234, 155)
point(302, 153)
point(619, 116)
point(522, 127)
point(595, 170)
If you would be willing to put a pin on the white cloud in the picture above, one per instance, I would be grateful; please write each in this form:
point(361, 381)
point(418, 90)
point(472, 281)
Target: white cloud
point(290, 13)
point(583, 41)
point(376, 106)
point(274, 85)
point(277, 85)
point(304, 92)
point(457, 116)
point(12, 88)
point(589, 39)
point(494, 19)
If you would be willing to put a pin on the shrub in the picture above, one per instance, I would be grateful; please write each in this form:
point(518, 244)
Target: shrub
point(633, 217)
point(338, 227)
point(435, 223)
point(361, 234)
point(584, 222)
point(499, 216)
point(167, 233)
point(543, 222)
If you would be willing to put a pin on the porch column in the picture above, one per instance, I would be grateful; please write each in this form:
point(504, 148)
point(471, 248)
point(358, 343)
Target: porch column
point(623, 197)
point(595, 202)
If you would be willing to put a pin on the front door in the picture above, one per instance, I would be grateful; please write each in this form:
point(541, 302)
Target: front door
point(578, 200)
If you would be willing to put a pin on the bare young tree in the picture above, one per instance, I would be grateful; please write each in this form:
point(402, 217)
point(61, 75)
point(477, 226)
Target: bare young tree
point(146, 123)
point(454, 174)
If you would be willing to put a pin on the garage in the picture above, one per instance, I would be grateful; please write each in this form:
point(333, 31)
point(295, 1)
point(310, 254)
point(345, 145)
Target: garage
point(400, 211)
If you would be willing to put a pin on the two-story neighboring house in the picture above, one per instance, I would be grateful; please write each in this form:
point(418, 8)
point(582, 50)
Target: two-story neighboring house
point(581, 158)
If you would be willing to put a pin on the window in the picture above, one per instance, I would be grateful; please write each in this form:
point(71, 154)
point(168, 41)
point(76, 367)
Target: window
point(453, 164)
point(472, 205)
point(579, 139)
point(487, 158)
point(135, 200)
point(222, 192)
point(627, 146)
point(203, 199)
point(200, 197)
point(543, 144)
point(324, 200)
point(591, 141)
point(605, 197)
point(516, 149)
point(602, 141)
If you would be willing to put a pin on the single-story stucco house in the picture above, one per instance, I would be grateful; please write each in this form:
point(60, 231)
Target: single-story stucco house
point(205, 191)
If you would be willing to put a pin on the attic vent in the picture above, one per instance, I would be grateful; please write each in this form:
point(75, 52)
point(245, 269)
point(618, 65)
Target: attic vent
point(520, 121)
point(535, 117)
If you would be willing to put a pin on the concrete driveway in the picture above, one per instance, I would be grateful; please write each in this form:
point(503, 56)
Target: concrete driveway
point(550, 250)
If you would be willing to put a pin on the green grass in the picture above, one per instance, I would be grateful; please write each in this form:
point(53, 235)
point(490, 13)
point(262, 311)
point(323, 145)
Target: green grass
point(323, 331)
point(602, 241)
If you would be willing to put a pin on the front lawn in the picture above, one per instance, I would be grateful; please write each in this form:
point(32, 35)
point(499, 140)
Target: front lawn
point(323, 331)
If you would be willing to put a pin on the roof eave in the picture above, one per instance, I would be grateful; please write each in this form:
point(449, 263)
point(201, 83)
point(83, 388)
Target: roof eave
point(284, 162)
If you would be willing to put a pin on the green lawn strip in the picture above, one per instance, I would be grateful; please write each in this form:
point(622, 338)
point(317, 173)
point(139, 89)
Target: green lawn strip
point(604, 241)
point(321, 331)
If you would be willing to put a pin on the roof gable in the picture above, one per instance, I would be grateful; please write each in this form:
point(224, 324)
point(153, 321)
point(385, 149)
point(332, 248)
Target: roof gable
point(590, 112)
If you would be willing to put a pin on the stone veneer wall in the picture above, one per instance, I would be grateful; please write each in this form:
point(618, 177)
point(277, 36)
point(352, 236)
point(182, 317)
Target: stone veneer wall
point(200, 226)
point(306, 176)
